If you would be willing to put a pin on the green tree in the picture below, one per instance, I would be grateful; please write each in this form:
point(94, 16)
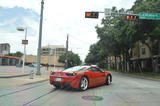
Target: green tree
point(73, 59)
point(148, 30)
point(96, 55)
point(17, 54)
point(117, 36)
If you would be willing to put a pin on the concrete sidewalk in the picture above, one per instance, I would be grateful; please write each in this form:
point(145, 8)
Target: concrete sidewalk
point(141, 76)
point(15, 73)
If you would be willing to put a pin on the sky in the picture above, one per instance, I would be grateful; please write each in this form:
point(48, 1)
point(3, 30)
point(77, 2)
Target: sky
point(60, 18)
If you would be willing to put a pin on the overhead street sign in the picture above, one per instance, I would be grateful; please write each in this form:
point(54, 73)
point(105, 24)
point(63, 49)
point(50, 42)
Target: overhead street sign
point(149, 16)
point(107, 12)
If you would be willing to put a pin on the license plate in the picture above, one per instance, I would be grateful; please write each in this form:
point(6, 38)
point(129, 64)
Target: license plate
point(58, 79)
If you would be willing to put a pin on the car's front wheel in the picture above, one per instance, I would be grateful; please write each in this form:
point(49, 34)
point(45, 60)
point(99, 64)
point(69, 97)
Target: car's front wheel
point(83, 85)
point(108, 80)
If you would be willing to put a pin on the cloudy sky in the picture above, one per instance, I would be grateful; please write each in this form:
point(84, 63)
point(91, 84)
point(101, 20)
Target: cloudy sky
point(61, 17)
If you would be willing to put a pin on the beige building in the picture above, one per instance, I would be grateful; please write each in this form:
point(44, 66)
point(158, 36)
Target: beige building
point(141, 51)
point(49, 55)
point(52, 50)
point(50, 60)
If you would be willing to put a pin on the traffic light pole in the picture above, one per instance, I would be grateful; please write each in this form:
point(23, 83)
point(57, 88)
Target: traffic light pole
point(40, 39)
point(66, 54)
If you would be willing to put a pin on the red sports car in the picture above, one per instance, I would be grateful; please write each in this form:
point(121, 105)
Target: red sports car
point(80, 77)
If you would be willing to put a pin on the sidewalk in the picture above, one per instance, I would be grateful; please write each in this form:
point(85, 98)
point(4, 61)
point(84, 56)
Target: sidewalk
point(15, 73)
point(139, 75)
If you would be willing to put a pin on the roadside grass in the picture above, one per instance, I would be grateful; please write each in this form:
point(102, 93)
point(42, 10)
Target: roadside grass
point(141, 74)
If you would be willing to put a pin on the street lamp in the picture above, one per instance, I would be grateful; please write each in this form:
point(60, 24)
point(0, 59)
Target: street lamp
point(25, 42)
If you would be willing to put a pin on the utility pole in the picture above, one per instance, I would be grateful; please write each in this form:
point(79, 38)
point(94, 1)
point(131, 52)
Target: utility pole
point(40, 39)
point(55, 59)
point(66, 54)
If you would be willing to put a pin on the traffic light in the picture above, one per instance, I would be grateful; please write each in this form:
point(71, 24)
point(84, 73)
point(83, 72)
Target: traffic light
point(91, 14)
point(132, 17)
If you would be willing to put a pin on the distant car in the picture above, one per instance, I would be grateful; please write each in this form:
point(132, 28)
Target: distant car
point(18, 65)
point(33, 65)
point(80, 77)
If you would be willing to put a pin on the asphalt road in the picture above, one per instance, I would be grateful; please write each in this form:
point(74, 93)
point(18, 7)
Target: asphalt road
point(124, 91)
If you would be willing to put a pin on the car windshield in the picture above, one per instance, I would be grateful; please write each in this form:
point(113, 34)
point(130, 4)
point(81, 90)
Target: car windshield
point(73, 69)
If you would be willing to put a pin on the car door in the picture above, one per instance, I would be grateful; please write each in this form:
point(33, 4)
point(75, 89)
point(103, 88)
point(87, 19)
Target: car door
point(97, 76)
point(101, 78)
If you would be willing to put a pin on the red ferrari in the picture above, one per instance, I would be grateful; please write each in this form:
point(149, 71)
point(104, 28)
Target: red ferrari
point(80, 77)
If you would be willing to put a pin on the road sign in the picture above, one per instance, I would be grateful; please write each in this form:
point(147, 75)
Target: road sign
point(25, 42)
point(107, 12)
point(150, 16)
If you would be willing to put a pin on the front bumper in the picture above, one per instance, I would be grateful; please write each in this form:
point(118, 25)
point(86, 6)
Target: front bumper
point(65, 82)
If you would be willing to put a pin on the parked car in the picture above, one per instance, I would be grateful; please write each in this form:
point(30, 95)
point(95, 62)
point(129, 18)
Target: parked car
point(80, 77)
point(33, 65)
point(18, 65)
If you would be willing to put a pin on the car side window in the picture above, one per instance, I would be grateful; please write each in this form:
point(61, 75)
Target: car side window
point(95, 70)
point(98, 70)
point(90, 69)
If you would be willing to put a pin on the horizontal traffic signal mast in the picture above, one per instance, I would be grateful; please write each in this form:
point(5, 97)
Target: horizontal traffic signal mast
point(91, 14)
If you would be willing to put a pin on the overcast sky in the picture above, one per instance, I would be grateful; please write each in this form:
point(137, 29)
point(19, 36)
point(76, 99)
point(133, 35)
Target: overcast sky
point(61, 17)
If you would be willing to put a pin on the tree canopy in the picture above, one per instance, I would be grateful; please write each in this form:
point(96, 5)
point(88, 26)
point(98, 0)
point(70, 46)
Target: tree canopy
point(17, 54)
point(73, 59)
point(117, 36)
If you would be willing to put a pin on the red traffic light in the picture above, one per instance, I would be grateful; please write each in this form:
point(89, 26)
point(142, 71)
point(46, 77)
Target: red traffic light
point(132, 17)
point(88, 14)
point(128, 17)
point(91, 14)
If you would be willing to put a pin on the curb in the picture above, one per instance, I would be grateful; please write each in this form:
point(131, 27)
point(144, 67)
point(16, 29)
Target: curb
point(36, 82)
point(13, 76)
point(137, 76)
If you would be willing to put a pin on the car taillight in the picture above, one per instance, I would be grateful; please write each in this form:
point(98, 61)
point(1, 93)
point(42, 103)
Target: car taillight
point(70, 74)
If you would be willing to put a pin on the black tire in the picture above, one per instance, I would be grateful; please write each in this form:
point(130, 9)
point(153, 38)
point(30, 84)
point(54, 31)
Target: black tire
point(57, 87)
point(108, 79)
point(83, 84)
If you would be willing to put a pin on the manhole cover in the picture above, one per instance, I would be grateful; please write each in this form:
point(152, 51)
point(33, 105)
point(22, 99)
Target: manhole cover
point(92, 98)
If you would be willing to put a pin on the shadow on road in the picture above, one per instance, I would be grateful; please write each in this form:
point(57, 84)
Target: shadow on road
point(69, 89)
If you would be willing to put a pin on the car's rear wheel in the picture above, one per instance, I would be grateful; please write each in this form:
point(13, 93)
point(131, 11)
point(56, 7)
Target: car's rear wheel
point(108, 80)
point(83, 85)
point(56, 86)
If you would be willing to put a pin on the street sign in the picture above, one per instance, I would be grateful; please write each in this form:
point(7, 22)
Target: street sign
point(25, 42)
point(107, 12)
point(149, 16)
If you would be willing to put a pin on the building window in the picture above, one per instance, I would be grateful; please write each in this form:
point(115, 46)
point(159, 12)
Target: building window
point(134, 52)
point(143, 51)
